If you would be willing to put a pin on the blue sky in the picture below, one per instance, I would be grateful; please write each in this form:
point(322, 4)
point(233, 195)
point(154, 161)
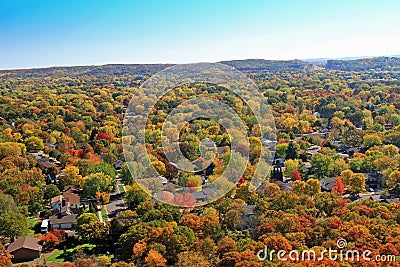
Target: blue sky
point(45, 33)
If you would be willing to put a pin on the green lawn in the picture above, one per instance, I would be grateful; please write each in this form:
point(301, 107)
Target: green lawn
point(121, 188)
point(31, 224)
point(60, 256)
point(104, 215)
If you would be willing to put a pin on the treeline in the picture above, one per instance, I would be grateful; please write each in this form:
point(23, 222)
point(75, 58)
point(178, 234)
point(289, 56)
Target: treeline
point(365, 64)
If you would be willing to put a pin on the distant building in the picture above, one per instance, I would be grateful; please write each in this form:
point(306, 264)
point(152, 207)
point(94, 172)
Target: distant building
point(284, 186)
point(118, 164)
point(248, 210)
point(279, 161)
point(162, 179)
point(311, 151)
point(393, 200)
point(50, 145)
point(44, 227)
point(63, 222)
point(25, 249)
point(373, 180)
point(65, 208)
point(327, 184)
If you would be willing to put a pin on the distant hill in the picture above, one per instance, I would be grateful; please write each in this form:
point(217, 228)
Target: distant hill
point(248, 65)
point(76, 71)
point(364, 64)
point(267, 65)
point(255, 65)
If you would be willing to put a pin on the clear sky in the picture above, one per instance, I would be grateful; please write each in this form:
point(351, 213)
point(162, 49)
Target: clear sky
point(41, 33)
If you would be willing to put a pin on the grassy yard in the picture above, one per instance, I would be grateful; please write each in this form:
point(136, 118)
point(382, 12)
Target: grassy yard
point(104, 215)
point(60, 256)
point(31, 224)
point(121, 188)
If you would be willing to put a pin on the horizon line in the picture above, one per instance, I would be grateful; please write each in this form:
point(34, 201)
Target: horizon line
point(344, 58)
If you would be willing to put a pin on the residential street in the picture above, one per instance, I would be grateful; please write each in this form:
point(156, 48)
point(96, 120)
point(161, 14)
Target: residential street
point(116, 202)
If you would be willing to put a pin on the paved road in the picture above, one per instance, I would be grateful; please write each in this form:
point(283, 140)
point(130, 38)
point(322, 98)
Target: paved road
point(116, 202)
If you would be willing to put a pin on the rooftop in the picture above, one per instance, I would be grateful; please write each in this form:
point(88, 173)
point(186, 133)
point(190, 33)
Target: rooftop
point(25, 242)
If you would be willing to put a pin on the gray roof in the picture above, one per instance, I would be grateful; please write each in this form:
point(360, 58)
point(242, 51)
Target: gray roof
point(57, 219)
point(328, 183)
point(284, 186)
point(248, 210)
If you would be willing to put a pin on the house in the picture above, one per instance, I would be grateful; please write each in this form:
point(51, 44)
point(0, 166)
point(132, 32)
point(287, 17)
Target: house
point(269, 143)
point(222, 150)
point(162, 179)
point(44, 227)
point(56, 202)
point(342, 148)
point(66, 221)
point(352, 150)
point(373, 180)
point(248, 210)
point(72, 189)
point(393, 200)
point(72, 199)
point(284, 186)
point(279, 161)
point(327, 184)
point(312, 150)
point(50, 145)
point(45, 163)
point(65, 208)
point(208, 143)
point(25, 249)
point(118, 164)
point(205, 193)
point(375, 197)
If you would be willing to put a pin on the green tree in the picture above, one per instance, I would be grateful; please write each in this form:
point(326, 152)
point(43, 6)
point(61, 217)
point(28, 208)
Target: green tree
point(34, 144)
point(299, 187)
point(103, 167)
point(357, 183)
point(86, 218)
point(134, 195)
point(337, 167)
point(13, 225)
point(96, 182)
point(371, 140)
point(7, 203)
point(126, 175)
point(290, 166)
point(321, 164)
point(280, 150)
point(94, 232)
point(313, 186)
point(51, 191)
point(292, 151)
point(394, 119)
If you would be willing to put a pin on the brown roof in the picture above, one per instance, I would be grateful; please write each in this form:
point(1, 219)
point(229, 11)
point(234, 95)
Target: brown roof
point(57, 219)
point(26, 242)
point(72, 189)
point(71, 198)
point(57, 198)
point(393, 200)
